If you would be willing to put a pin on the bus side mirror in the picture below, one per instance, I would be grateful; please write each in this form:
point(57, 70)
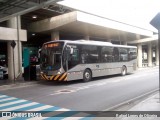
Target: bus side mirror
point(39, 53)
point(71, 51)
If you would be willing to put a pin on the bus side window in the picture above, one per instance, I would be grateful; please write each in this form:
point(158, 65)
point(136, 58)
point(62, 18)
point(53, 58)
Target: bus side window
point(132, 54)
point(115, 54)
point(123, 54)
point(107, 54)
point(73, 59)
point(89, 54)
point(84, 56)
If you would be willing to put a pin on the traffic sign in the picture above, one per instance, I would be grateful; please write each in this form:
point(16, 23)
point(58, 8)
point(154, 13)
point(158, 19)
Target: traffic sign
point(13, 44)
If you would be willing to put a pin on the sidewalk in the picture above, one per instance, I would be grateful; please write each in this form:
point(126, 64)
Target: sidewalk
point(150, 104)
point(146, 68)
point(6, 84)
point(150, 107)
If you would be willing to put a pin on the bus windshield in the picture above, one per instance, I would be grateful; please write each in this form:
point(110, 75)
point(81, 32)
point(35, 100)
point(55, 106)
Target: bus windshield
point(51, 55)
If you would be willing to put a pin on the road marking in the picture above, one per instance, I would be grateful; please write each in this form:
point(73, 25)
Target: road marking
point(40, 108)
point(7, 99)
point(13, 104)
point(18, 107)
point(3, 96)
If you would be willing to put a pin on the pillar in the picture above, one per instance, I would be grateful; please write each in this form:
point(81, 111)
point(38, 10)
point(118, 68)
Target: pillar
point(139, 47)
point(124, 37)
point(55, 35)
point(16, 67)
point(149, 54)
point(19, 45)
point(109, 40)
point(124, 42)
point(86, 37)
point(157, 55)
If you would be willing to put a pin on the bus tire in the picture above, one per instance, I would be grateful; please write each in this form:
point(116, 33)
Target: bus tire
point(87, 75)
point(123, 71)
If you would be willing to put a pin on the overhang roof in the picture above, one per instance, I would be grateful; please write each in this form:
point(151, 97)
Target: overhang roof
point(12, 8)
point(90, 25)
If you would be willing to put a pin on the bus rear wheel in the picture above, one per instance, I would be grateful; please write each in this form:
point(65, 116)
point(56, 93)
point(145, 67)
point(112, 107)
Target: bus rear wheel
point(87, 75)
point(124, 71)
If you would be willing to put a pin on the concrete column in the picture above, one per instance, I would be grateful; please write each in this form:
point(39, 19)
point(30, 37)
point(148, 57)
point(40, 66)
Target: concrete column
point(124, 42)
point(149, 54)
point(109, 37)
point(12, 23)
point(109, 40)
point(124, 37)
point(157, 55)
point(139, 47)
point(19, 45)
point(16, 67)
point(86, 37)
point(55, 35)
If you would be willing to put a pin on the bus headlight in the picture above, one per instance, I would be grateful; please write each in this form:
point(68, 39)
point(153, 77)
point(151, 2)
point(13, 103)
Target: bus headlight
point(59, 73)
point(41, 72)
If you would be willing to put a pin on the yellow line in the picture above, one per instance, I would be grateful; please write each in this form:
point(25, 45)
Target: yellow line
point(62, 76)
point(56, 77)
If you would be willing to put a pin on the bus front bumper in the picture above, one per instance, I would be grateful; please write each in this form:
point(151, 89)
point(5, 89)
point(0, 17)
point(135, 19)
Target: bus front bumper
point(59, 77)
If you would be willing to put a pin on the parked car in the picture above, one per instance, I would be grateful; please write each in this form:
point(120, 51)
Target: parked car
point(4, 73)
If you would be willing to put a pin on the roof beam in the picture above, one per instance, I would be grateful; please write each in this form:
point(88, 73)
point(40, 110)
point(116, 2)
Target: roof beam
point(41, 5)
point(153, 38)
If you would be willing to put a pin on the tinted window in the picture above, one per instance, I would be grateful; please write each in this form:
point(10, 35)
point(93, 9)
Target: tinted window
point(132, 53)
point(106, 54)
point(123, 54)
point(73, 59)
point(89, 54)
point(115, 54)
point(51, 56)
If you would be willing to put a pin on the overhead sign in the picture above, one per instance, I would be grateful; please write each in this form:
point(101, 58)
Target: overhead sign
point(155, 22)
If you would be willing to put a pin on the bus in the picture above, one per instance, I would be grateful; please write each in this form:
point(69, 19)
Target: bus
point(65, 60)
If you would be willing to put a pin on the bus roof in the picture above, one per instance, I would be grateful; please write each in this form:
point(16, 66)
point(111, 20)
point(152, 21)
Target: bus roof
point(91, 42)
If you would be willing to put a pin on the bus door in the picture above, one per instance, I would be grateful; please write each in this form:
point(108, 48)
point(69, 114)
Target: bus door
point(72, 57)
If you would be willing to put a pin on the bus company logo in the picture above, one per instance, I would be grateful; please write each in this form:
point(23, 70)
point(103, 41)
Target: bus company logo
point(20, 114)
point(6, 114)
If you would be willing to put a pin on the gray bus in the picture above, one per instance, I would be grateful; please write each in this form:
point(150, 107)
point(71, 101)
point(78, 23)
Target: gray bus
point(65, 60)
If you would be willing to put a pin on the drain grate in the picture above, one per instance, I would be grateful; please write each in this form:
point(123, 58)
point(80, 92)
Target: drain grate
point(65, 91)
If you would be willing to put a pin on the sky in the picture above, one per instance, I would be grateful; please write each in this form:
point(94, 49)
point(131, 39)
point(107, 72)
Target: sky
point(134, 12)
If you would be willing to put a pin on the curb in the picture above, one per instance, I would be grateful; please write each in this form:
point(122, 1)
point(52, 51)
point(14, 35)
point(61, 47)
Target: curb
point(18, 85)
point(131, 100)
point(147, 68)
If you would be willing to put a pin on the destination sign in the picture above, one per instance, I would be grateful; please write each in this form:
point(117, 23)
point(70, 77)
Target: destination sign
point(51, 45)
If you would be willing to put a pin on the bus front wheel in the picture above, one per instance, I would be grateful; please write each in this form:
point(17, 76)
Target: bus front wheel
point(124, 71)
point(87, 75)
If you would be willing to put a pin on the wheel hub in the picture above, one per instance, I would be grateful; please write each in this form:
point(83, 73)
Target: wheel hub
point(87, 75)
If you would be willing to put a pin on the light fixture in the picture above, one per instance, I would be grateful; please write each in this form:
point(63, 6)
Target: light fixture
point(34, 16)
point(33, 34)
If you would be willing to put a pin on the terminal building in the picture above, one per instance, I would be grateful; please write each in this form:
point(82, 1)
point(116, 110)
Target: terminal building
point(26, 25)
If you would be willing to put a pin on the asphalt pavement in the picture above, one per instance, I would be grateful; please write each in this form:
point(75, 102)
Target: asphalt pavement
point(101, 94)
